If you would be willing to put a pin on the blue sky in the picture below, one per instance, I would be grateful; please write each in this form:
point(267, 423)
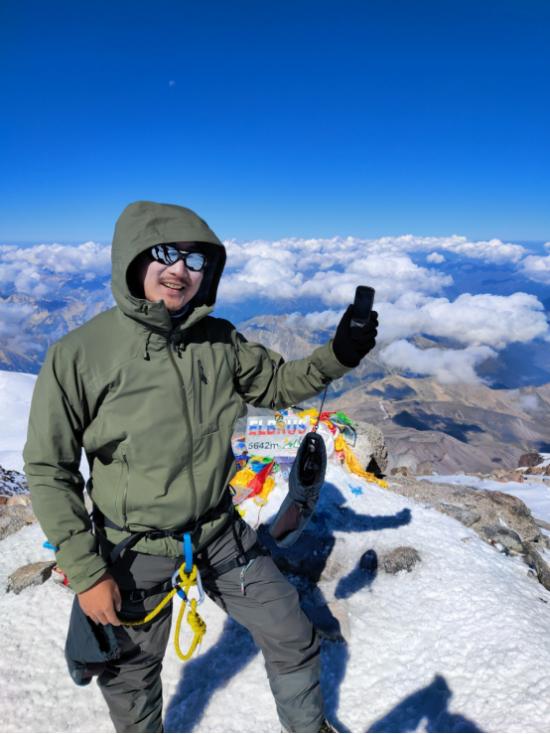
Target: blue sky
point(271, 119)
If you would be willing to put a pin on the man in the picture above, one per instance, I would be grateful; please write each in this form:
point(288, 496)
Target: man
point(152, 389)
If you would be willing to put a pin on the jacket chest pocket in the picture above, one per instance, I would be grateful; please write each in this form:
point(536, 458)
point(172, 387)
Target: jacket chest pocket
point(204, 389)
point(216, 401)
point(121, 496)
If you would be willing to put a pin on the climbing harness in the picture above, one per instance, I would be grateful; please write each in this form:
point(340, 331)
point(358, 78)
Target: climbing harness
point(183, 579)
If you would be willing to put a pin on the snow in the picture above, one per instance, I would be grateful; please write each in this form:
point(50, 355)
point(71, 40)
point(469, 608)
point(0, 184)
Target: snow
point(545, 459)
point(15, 402)
point(462, 643)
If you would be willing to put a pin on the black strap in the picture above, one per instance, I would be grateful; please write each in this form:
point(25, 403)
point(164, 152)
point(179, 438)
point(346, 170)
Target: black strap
point(137, 595)
point(100, 522)
point(208, 573)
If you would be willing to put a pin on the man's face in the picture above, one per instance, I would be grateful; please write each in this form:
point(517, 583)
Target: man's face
point(173, 284)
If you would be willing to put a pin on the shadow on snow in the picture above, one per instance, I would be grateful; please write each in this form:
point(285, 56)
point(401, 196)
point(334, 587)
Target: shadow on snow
point(427, 706)
point(204, 675)
point(303, 564)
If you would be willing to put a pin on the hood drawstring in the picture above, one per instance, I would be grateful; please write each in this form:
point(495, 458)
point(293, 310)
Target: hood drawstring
point(146, 355)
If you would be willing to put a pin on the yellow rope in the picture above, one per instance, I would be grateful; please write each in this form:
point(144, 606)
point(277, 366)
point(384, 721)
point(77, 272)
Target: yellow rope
point(198, 626)
point(195, 621)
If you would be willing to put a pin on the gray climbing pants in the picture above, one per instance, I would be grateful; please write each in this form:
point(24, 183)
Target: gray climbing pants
point(269, 608)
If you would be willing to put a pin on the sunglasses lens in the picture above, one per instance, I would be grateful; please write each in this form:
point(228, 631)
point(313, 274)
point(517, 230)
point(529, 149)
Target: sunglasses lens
point(164, 254)
point(168, 255)
point(194, 261)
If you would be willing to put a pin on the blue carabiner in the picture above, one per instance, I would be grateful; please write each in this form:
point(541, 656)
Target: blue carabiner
point(188, 552)
point(176, 585)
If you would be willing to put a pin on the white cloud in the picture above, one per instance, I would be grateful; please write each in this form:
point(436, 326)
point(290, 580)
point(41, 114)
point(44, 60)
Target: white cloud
point(15, 322)
point(287, 274)
point(37, 270)
point(316, 320)
point(537, 267)
point(261, 278)
point(336, 250)
point(87, 258)
point(491, 251)
point(530, 403)
point(487, 319)
point(446, 365)
point(482, 319)
point(397, 274)
point(331, 268)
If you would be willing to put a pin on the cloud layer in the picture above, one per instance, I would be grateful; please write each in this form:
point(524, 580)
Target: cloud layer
point(411, 275)
point(40, 270)
point(329, 269)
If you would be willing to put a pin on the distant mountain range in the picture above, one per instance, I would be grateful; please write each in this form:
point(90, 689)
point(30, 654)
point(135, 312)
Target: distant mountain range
point(428, 426)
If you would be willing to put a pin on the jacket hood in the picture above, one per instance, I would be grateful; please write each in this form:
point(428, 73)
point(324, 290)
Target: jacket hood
point(144, 224)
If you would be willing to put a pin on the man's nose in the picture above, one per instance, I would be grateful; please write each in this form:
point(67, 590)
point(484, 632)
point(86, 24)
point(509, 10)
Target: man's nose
point(179, 268)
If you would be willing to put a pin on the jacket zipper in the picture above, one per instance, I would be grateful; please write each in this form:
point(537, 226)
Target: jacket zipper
point(202, 373)
point(172, 347)
point(125, 494)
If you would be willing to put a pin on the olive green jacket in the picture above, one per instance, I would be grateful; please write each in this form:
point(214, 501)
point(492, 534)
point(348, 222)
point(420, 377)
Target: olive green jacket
point(153, 403)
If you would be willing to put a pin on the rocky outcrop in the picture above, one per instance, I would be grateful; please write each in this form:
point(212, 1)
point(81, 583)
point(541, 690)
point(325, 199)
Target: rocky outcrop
point(370, 448)
point(12, 483)
point(531, 458)
point(534, 463)
point(15, 502)
point(500, 519)
point(13, 517)
point(508, 475)
point(541, 568)
point(476, 508)
point(402, 558)
point(504, 539)
point(33, 574)
point(543, 470)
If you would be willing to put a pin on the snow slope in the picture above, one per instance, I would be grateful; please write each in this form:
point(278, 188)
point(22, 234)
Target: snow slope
point(15, 402)
point(462, 643)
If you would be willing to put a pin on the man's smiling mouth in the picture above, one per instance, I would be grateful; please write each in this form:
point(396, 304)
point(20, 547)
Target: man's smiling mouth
point(174, 286)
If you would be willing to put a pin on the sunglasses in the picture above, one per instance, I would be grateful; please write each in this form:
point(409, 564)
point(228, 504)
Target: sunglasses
point(169, 255)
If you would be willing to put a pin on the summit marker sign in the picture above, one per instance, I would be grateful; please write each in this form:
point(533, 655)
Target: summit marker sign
point(267, 436)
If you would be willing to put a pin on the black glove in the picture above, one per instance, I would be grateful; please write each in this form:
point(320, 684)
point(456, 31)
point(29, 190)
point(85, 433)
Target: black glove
point(352, 343)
